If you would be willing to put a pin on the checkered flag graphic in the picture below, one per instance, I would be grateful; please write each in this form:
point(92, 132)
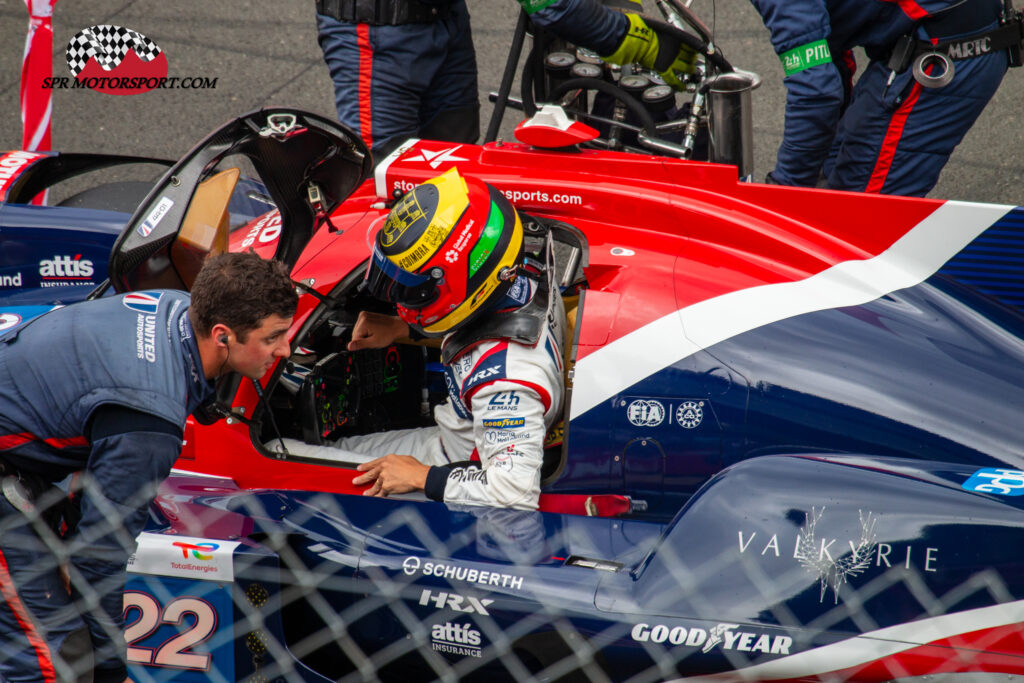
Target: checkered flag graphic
point(108, 44)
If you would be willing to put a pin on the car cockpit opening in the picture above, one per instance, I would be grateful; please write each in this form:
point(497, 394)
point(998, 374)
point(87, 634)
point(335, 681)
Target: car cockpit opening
point(324, 392)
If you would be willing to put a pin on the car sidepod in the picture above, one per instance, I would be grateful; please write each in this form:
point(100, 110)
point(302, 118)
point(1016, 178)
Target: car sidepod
point(807, 566)
point(857, 568)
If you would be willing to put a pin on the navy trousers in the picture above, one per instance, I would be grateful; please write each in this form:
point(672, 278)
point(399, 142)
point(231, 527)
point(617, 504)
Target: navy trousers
point(396, 82)
point(896, 139)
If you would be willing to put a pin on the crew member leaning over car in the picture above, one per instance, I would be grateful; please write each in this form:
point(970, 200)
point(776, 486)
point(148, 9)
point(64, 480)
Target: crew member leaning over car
point(450, 256)
point(101, 389)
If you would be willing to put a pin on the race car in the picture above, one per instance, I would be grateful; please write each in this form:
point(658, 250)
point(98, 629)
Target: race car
point(789, 449)
point(57, 254)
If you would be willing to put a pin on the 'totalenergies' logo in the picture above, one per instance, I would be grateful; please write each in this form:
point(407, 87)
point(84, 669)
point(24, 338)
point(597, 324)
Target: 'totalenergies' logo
point(116, 60)
point(200, 551)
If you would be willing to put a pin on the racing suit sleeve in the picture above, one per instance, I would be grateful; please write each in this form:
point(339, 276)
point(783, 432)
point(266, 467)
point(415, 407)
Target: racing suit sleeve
point(508, 430)
point(814, 94)
point(582, 22)
point(131, 453)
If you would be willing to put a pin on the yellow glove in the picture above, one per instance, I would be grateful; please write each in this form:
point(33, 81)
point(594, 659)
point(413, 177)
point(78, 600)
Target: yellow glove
point(655, 49)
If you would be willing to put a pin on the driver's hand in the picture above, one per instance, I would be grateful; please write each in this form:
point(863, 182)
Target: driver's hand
point(392, 474)
point(376, 331)
point(654, 48)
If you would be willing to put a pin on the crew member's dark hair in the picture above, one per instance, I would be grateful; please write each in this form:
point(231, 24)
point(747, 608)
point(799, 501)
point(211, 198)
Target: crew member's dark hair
point(240, 289)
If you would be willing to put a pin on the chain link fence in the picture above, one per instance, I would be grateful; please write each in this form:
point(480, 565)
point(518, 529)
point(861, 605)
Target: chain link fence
point(233, 585)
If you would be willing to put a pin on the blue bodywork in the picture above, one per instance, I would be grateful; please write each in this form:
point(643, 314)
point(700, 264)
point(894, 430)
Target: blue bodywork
point(53, 254)
point(755, 556)
point(56, 255)
point(846, 480)
point(932, 372)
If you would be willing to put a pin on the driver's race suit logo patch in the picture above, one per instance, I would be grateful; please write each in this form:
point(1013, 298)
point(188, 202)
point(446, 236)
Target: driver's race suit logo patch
point(116, 60)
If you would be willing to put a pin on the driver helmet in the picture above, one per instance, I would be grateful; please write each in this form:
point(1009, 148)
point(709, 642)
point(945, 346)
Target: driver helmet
point(447, 252)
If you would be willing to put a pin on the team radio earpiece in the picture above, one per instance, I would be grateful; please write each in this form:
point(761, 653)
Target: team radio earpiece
point(223, 341)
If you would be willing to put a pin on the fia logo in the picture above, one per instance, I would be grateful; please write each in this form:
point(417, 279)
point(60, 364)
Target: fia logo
point(643, 413)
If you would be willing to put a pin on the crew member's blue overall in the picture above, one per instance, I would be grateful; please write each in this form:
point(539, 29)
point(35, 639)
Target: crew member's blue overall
point(887, 134)
point(103, 388)
point(418, 79)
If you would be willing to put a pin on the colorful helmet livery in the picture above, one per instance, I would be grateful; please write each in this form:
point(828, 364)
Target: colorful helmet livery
point(448, 250)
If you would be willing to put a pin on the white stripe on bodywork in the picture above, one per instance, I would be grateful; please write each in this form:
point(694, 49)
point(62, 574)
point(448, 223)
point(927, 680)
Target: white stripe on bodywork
point(875, 645)
point(380, 173)
point(909, 261)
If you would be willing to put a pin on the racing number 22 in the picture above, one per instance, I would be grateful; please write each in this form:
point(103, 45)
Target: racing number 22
point(175, 651)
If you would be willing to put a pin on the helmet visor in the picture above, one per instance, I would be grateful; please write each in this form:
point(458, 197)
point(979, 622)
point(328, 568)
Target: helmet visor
point(388, 282)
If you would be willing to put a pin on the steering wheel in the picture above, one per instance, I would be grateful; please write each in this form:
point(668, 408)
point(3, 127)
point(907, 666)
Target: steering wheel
point(640, 115)
point(328, 397)
point(618, 93)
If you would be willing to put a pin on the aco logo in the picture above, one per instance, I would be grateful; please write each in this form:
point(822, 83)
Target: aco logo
point(115, 60)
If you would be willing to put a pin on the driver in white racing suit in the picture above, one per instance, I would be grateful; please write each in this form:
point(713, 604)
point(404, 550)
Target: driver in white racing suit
point(451, 258)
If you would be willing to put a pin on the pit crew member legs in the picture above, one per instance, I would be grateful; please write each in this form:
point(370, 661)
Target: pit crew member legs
point(888, 133)
point(407, 68)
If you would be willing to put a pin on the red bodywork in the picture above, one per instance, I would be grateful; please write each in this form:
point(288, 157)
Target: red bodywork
point(648, 221)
